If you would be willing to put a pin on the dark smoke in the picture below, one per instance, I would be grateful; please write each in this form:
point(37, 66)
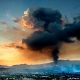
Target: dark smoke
point(53, 33)
point(41, 39)
point(47, 16)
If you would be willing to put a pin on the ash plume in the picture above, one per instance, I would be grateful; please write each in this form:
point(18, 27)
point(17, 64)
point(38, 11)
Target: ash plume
point(50, 31)
point(47, 16)
point(47, 21)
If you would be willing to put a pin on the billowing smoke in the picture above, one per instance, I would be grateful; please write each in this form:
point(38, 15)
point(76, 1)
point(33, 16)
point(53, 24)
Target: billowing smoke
point(46, 22)
point(47, 16)
point(50, 31)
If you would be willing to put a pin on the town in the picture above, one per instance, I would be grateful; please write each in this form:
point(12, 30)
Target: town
point(56, 76)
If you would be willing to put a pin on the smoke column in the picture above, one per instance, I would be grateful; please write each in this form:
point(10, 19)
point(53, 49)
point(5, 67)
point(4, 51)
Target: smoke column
point(48, 30)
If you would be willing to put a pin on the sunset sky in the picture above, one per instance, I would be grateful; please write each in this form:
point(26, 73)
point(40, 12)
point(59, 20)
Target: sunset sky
point(11, 32)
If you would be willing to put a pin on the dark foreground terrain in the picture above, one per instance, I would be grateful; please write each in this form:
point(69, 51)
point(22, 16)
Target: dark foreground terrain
point(59, 76)
point(64, 70)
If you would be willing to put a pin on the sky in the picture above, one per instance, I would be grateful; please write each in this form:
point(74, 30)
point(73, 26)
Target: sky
point(11, 9)
point(10, 31)
point(17, 7)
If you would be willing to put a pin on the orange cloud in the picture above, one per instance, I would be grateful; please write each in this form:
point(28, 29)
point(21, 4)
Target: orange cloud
point(70, 51)
point(26, 21)
point(12, 55)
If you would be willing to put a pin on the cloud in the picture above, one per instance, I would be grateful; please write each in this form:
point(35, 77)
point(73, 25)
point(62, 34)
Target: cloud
point(51, 35)
point(42, 37)
point(11, 55)
point(47, 21)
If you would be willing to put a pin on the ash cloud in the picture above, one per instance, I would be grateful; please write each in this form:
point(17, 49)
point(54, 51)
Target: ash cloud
point(50, 31)
point(47, 16)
